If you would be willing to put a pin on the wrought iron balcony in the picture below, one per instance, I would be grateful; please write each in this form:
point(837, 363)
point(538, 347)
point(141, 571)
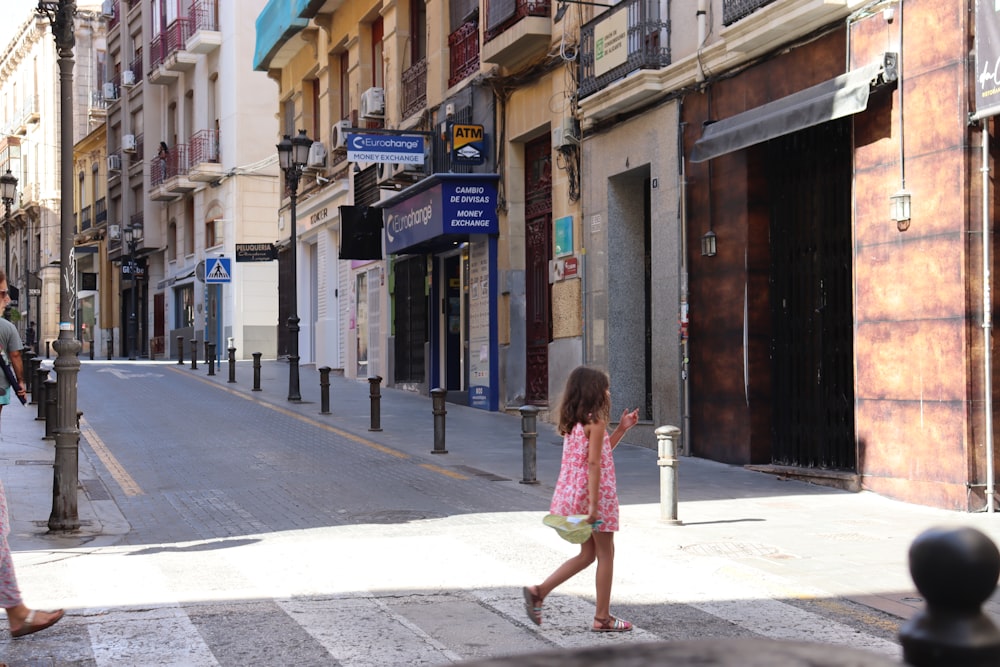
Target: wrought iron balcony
point(85, 219)
point(205, 36)
point(631, 36)
point(517, 31)
point(463, 52)
point(168, 43)
point(100, 212)
point(204, 163)
point(414, 88)
point(734, 10)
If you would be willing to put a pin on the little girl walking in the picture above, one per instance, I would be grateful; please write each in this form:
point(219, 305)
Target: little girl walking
point(587, 486)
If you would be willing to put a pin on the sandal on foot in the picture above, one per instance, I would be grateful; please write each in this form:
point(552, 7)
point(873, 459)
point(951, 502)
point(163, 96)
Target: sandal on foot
point(532, 605)
point(30, 626)
point(610, 624)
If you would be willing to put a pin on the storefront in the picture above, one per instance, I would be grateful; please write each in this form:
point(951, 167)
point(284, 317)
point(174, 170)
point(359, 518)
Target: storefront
point(442, 234)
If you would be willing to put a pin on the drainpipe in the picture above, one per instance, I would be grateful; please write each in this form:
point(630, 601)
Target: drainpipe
point(987, 319)
point(702, 14)
point(683, 268)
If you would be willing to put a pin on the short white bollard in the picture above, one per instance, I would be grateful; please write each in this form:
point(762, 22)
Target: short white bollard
point(667, 438)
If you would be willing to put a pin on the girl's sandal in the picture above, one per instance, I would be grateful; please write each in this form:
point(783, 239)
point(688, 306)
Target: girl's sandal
point(532, 605)
point(610, 624)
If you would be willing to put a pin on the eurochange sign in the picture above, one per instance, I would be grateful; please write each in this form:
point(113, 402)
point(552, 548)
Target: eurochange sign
point(451, 207)
point(385, 148)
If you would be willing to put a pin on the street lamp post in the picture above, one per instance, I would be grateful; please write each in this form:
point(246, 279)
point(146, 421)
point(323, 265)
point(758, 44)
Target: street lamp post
point(66, 433)
point(132, 238)
point(293, 154)
point(8, 191)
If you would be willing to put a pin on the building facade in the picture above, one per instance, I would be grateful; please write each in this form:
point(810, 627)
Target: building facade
point(189, 179)
point(30, 149)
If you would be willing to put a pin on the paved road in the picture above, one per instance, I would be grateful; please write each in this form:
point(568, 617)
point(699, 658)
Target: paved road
point(262, 532)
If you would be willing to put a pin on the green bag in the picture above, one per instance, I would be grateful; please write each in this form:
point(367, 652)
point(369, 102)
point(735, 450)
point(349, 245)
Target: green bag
point(574, 529)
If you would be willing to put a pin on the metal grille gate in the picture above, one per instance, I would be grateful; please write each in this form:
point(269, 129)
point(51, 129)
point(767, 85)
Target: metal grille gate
point(809, 178)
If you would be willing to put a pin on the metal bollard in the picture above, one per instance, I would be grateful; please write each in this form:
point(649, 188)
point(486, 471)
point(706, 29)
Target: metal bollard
point(48, 344)
point(955, 569)
point(211, 358)
point(256, 371)
point(91, 350)
point(437, 407)
point(324, 390)
point(194, 354)
point(34, 363)
point(111, 346)
point(208, 357)
point(232, 364)
point(529, 442)
point(180, 350)
point(51, 409)
point(667, 438)
point(375, 394)
point(41, 375)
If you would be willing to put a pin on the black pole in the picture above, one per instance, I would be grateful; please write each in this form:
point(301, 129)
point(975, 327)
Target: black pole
point(437, 409)
point(194, 354)
point(211, 358)
point(375, 394)
point(256, 371)
point(133, 321)
point(529, 442)
point(180, 350)
point(324, 390)
point(65, 515)
point(232, 364)
point(292, 175)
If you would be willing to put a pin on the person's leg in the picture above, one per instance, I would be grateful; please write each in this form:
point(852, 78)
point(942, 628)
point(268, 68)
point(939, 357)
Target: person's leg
point(20, 618)
point(567, 570)
point(605, 547)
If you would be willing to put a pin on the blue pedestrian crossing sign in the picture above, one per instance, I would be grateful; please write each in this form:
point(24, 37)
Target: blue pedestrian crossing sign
point(218, 270)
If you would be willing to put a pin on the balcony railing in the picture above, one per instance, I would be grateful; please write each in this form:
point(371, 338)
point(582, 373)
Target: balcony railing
point(646, 44)
point(100, 212)
point(204, 15)
point(136, 66)
point(169, 42)
point(173, 165)
point(463, 52)
point(136, 156)
point(414, 88)
point(501, 14)
point(97, 101)
point(734, 10)
point(204, 147)
point(135, 220)
point(115, 14)
point(85, 219)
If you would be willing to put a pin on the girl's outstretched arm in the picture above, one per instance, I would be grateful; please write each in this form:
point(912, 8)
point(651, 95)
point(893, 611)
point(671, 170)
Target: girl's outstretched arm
point(628, 420)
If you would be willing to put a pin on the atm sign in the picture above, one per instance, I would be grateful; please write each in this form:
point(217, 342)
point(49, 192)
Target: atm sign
point(467, 144)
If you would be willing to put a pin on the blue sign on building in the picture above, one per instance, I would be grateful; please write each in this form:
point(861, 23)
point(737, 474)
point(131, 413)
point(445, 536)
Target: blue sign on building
point(385, 148)
point(467, 206)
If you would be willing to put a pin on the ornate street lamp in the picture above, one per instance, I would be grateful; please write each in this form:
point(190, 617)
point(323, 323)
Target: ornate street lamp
point(8, 192)
point(133, 236)
point(67, 364)
point(293, 154)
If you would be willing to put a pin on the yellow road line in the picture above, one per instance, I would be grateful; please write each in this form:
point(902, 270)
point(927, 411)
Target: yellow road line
point(128, 485)
point(443, 471)
point(318, 424)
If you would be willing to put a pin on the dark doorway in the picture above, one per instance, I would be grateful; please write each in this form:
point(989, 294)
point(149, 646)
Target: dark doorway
point(538, 251)
point(411, 318)
point(284, 300)
point(809, 178)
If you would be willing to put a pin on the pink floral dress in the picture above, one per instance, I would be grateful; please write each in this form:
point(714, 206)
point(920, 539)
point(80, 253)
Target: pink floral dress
point(572, 495)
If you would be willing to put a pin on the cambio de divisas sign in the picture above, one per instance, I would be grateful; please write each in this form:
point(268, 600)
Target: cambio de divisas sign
point(385, 148)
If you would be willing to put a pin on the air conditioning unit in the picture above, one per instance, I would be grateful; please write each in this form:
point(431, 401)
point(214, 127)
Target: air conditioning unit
point(114, 163)
point(394, 173)
point(373, 103)
point(338, 135)
point(128, 78)
point(317, 156)
point(128, 143)
point(565, 134)
point(108, 9)
point(110, 91)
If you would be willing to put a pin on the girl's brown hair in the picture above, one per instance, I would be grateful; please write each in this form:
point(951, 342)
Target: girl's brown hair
point(585, 399)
